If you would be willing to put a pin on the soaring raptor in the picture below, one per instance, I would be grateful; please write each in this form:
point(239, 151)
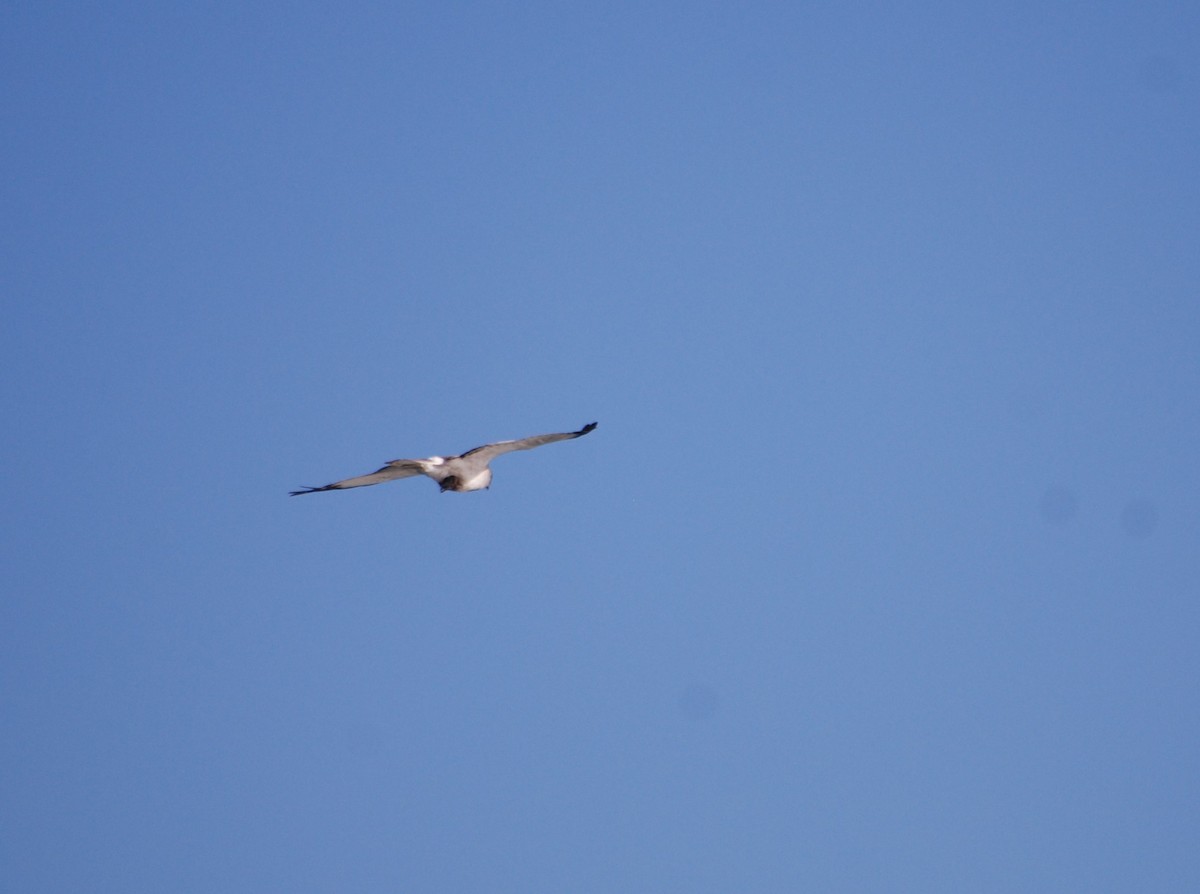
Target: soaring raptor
point(468, 471)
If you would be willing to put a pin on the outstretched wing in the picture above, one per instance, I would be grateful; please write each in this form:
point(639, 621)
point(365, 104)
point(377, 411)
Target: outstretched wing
point(488, 451)
point(397, 468)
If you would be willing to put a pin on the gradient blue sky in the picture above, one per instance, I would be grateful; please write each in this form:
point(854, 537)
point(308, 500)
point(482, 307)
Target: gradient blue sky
point(880, 573)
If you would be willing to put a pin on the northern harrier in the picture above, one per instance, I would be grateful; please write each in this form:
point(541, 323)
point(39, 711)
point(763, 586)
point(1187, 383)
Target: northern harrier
point(468, 471)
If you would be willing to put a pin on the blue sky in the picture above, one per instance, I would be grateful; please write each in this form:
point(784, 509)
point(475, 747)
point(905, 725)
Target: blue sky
point(879, 573)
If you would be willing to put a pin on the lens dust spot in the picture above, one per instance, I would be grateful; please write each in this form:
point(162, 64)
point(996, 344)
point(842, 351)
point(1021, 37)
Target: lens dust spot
point(1159, 74)
point(1139, 518)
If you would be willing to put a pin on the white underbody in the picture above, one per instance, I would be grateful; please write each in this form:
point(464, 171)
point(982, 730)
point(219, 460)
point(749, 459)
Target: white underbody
point(479, 482)
point(469, 475)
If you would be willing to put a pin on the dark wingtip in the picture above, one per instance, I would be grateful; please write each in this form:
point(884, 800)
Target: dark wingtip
point(587, 428)
point(307, 490)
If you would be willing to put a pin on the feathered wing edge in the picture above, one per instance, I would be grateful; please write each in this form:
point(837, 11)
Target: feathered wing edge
point(487, 451)
point(397, 468)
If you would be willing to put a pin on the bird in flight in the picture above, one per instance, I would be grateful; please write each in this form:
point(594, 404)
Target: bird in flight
point(465, 472)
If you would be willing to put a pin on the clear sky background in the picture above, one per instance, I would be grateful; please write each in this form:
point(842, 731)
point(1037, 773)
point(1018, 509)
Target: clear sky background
point(879, 574)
